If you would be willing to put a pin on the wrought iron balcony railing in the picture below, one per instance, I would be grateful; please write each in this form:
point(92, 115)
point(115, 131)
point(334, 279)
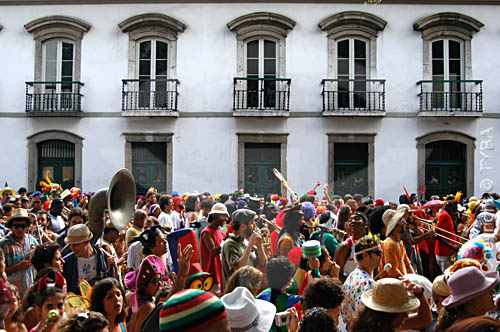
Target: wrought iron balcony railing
point(53, 97)
point(344, 95)
point(150, 94)
point(451, 96)
point(262, 94)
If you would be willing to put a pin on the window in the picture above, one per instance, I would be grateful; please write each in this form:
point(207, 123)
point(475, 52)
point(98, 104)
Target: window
point(58, 66)
point(153, 68)
point(446, 163)
point(149, 158)
point(447, 66)
point(58, 41)
point(260, 160)
point(351, 163)
point(351, 168)
point(352, 83)
point(151, 86)
point(352, 64)
point(56, 159)
point(262, 62)
point(258, 154)
point(149, 166)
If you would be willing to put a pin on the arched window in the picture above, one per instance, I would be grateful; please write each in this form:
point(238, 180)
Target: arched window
point(151, 86)
point(447, 83)
point(352, 83)
point(56, 159)
point(58, 153)
point(446, 163)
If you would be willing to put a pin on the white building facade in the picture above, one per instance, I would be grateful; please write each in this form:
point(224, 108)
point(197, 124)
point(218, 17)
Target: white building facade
point(211, 96)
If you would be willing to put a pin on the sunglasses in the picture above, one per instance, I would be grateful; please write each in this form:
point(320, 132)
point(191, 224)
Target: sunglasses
point(376, 252)
point(19, 226)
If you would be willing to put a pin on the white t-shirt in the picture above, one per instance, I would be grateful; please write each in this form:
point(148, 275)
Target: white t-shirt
point(56, 223)
point(165, 219)
point(87, 268)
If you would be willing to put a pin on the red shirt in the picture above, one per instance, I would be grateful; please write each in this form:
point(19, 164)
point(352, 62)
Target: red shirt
point(445, 222)
point(212, 264)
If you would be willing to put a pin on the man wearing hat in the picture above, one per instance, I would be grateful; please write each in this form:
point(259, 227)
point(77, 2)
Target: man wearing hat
point(85, 262)
point(211, 240)
point(393, 249)
point(485, 221)
point(17, 246)
point(6, 194)
point(237, 250)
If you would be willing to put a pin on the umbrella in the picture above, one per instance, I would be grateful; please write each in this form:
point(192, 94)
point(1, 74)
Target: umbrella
point(434, 203)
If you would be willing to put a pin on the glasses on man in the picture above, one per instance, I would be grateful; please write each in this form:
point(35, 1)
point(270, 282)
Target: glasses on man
point(19, 226)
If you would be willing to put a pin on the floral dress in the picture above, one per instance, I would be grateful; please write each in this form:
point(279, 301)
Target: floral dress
point(356, 284)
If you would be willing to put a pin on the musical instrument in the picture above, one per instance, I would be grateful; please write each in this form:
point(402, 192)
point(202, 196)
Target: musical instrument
point(434, 227)
point(118, 198)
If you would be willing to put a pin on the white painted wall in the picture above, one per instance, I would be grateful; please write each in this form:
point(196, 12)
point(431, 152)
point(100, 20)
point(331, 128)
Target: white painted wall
point(205, 149)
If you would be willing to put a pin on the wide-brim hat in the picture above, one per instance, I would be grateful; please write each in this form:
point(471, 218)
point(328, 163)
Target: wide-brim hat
point(440, 286)
point(389, 295)
point(20, 214)
point(469, 283)
point(78, 234)
point(391, 218)
point(7, 189)
point(219, 208)
point(245, 313)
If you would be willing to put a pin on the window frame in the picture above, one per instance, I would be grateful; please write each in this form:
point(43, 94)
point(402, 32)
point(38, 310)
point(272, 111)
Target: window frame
point(59, 60)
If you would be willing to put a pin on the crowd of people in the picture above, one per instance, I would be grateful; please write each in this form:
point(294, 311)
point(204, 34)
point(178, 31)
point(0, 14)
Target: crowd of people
point(239, 262)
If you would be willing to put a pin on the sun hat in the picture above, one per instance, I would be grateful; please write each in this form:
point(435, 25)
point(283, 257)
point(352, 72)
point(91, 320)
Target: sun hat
point(247, 314)
point(7, 189)
point(389, 295)
point(311, 249)
point(191, 310)
point(467, 284)
point(78, 234)
point(440, 286)
point(20, 214)
point(391, 218)
point(219, 208)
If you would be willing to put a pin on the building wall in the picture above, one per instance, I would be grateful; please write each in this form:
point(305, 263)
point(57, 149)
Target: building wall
point(205, 143)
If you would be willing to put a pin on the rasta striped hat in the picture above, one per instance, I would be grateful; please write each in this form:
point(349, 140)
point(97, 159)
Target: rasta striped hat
point(191, 310)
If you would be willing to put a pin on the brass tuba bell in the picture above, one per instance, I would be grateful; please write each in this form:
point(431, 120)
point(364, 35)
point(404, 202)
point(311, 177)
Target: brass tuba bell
point(118, 198)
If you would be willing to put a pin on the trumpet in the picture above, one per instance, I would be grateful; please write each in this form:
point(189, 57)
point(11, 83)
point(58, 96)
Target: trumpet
point(65, 212)
point(434, 227)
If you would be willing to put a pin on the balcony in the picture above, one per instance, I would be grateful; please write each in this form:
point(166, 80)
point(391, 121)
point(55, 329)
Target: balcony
point(253, 96)
point(353, 97)
point(61, 98)
point(450, 98)
point(150, 97)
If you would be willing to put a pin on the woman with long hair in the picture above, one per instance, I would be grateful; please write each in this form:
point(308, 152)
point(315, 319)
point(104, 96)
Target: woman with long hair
point(108, 298)
point(14, 319)
point(192, 209)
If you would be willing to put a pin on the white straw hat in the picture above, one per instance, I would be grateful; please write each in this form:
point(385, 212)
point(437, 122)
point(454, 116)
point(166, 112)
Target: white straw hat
point(391, 219)
point(219, 208)
point(247, 314)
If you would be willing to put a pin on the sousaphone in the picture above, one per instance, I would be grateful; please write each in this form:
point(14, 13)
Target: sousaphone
point(118, 198)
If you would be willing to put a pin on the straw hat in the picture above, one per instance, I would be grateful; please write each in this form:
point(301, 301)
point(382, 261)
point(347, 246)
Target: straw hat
point(245, 313)
point(389, 295)
point(391, 218)
point(20, 214)
point(467, 284)
point(219, 208)
point(78, 234)
point(7, 189)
